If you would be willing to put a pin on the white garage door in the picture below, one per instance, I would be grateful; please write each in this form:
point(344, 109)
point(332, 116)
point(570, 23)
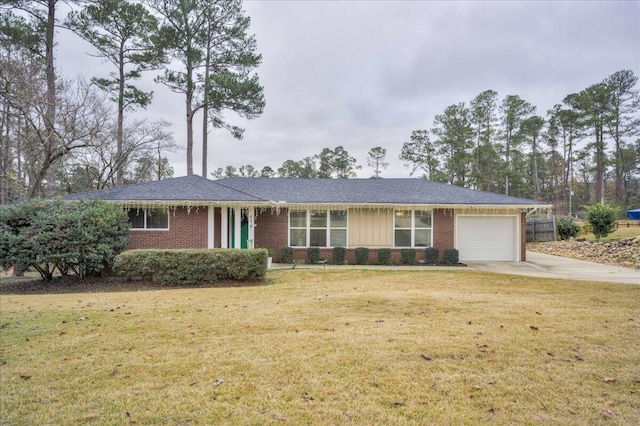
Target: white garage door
point(487, 238)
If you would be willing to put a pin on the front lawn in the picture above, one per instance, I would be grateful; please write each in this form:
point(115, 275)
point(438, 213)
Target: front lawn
point(327, 347)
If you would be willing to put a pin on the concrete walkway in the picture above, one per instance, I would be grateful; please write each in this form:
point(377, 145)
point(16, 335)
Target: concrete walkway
point(548, 266)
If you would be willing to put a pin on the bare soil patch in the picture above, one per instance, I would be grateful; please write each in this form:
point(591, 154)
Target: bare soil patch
point(625, 253)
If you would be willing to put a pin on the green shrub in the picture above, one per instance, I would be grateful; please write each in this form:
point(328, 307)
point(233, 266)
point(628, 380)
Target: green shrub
point(192, 266)
point(567, 228)
point(431, 255)
point(384, 256)
point(451, 256)
point(362, 256)
point(408, 256)
point(339, 255)
point(313, 255)
point(602, 219)
point(83, 237)
point(269, 250)
point(286, 255)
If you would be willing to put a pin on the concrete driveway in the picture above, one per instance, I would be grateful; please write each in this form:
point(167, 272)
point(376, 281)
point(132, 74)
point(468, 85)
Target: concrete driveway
point(548, 266)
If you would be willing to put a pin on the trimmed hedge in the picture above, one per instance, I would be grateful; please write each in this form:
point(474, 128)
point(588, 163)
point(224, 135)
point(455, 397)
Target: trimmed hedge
point(431, 255)
point(384, 256)
point(286, 255)
point(408, 256)
point(192, 266)
point(451, 256)
point(313, 255)
point(339, 255)
point(362, 256)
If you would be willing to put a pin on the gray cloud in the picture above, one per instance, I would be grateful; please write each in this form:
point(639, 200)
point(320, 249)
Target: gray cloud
point(362, 74)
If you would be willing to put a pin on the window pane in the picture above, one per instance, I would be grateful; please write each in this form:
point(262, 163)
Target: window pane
point(338, 238)
point(319, 219)
point(136, 218)
point(403, 237)
point(338, 219)
point(318, 238)
point(298, 238)
point(298, 219)
point(157, 219)
point(403, 219)
point(423, 237)
point(423, 219)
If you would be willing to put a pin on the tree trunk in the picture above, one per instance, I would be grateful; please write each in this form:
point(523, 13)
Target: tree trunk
point(536, 180)
point(205, 137)
point(4, 154)
point(50, 113)
point(618, 168)
point(120, 129)
point(205, 102)
point(189, 106)
point(599, 184)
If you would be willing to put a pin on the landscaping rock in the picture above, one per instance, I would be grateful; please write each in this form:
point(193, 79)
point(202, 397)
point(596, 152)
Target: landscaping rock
point(624, 253)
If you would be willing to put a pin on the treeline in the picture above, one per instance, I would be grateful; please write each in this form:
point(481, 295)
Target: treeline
point(584, 150)
point(329, 163)
point(60, 135)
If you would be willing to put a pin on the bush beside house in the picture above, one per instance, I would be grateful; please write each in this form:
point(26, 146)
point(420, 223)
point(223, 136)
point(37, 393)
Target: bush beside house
point(192, 266)
point(81, 237)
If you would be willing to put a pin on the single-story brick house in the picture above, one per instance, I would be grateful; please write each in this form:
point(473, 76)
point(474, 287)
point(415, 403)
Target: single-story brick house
point(195, 212)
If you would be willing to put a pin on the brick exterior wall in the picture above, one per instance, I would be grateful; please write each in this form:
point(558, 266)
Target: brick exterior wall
point(443, 223)
point(271, 230)
point(186, 230)
point(523, 237)
point(217, 221)
point(189, 230)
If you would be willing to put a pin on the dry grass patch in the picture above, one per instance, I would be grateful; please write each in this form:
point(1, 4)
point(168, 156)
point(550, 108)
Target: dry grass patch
point(327, 347)
point(619, 234)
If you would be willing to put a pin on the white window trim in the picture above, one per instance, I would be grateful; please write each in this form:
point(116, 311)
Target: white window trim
point(308, 228)
point(413, 229)
point(144, 214)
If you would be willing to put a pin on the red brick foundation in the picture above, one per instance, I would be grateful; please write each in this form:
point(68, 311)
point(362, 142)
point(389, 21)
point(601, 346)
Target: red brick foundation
point(187, 229)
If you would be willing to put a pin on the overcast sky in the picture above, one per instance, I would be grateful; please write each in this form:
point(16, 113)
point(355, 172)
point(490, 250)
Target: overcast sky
point(362, 74)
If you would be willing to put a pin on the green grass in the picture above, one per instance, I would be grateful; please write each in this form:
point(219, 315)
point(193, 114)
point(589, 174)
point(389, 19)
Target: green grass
point(327, 347)
point(619, 234)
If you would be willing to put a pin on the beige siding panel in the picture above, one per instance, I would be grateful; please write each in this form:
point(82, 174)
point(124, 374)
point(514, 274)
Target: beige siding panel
point(370, 228)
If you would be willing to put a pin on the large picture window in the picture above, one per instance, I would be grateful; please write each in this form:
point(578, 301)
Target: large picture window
point(412, 228)
point(318, 228)
point(149, 218)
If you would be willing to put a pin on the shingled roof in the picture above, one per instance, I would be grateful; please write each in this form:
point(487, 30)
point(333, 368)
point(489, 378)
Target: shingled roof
point(367, 191)
point(283, 191)
point(187, 188)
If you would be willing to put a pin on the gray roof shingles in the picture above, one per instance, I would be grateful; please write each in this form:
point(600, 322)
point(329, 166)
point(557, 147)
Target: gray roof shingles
point(304, 191)
point(368, 191)
point(187, 188)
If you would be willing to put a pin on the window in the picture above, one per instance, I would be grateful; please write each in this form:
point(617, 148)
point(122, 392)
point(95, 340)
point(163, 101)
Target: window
point(318, 228)
point(149, 218)
point(412, 228)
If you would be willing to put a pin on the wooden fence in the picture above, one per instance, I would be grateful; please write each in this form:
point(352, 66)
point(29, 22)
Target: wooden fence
point(628, 224)
point(541, 229)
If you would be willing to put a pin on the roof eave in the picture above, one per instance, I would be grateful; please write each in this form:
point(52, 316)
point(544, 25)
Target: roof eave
point(285, 204)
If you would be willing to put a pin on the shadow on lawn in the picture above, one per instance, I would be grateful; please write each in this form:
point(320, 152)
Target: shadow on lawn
point(73, 284)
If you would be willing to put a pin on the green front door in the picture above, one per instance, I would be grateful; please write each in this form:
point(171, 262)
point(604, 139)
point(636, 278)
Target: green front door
point(244, 229)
